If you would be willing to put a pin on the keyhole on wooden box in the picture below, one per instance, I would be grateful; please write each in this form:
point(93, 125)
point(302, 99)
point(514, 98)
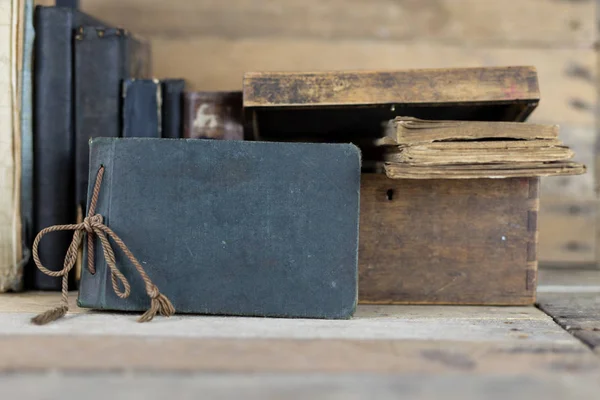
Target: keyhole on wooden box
point(390, 194)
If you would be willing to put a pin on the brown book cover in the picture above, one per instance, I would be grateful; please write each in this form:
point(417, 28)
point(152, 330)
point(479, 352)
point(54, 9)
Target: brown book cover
point(444, 153)
point(213, 115)
point(409, 130)
point(471, 171)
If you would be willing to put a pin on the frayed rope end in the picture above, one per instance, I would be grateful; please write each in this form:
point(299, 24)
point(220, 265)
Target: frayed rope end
point(158, 305)
point(50, 315)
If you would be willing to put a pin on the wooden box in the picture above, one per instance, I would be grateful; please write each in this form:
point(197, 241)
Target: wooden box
point(349, 105)
point(453, 241)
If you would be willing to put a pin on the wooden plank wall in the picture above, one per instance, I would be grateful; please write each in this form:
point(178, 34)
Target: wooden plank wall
point(211, 43)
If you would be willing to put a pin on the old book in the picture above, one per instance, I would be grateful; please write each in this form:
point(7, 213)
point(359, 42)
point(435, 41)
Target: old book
point(172, 108)
point(10, 233)
point(142, 108)
point(26, 137)
point(231, 227)
point(350, 105)
point(54, 164)
point(409, 130)
point(485, 152)
point(444, 241)
point(103, 59)
point(471, 171)
point(213, 115)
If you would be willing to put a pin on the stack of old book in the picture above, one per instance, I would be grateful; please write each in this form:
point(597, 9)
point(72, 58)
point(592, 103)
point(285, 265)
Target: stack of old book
point(425, 235)
point(92, 79)
point(425, 149)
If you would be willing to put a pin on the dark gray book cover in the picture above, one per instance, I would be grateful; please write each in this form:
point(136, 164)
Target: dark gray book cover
point(142, 108)
point(103, 59)
point(53, 149)
point(172, 108)
point(230, 227)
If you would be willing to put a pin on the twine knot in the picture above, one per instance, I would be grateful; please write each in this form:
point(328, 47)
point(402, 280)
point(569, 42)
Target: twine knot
point(93, 225)
point(89, 223)
point(153, 292)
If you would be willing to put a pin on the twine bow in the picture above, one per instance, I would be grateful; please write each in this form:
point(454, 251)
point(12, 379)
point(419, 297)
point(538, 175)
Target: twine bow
point(93, 225)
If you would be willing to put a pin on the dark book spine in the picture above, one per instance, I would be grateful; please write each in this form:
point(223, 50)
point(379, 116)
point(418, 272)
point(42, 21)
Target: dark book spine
point(103, 59)
point(172, 108)
point(67, 3)
point(213, 115)
point(53, 140)
point(142, 99)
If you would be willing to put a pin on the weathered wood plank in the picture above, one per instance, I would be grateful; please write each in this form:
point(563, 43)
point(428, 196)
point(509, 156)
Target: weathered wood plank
point(380, 339)
point(510, 325)
point(568, 207)
point(448, 241)
point(422, 386)
point(114, 353)
point(560, 280)
point(36, 302)
point(509, 22)
point(350, 104)
point(578, 313)
point(566, 77)
point(477, 86)
point(567, 230)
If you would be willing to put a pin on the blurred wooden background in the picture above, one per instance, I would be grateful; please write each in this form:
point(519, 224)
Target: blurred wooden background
point(212, 43)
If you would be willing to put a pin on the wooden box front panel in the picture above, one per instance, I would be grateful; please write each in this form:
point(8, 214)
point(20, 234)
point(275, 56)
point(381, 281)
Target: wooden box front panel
point(469, 241)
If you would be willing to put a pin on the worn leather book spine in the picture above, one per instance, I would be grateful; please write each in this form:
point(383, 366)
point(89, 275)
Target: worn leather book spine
point(104, 58)
point(172, 108)
point(53, 114)
point(213, 115)
point(231, 228)
point(142, 108)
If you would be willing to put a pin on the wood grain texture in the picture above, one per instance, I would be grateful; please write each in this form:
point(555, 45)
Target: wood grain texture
point(473, 22)
point(569, 281)
point(578, 313)
point(36, 302)
point(448, 241)
point(113, 353)
point(422, 87)
point(379, 339)
point(566, 76)
point(422, 386)
point(507, 325)
point(567, 227)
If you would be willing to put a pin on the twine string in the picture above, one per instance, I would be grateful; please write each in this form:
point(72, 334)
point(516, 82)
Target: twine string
point(93, 225)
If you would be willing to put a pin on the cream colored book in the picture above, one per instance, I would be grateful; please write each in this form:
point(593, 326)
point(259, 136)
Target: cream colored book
point(484, 152)
point(10, 219)
point(409, 130)
point(476, 171)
